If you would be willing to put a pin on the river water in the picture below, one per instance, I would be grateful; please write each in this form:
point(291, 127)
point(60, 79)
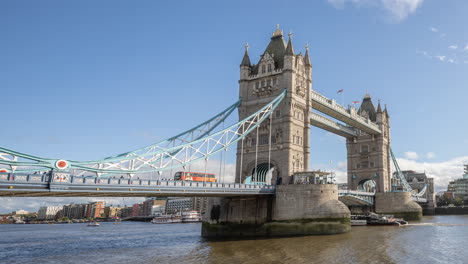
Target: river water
point(438, 239)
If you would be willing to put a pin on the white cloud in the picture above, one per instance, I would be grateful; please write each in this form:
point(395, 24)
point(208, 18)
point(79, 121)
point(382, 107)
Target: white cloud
point(442, 172)
point(451, 60)
point(411, 155)
point(398, 9)
point(430, 155)
point(466, 47)
point(433, 29)
point(453, 47)
point(441, 58)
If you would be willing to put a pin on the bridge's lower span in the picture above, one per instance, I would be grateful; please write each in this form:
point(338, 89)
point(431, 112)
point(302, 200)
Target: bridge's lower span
point(64, 185)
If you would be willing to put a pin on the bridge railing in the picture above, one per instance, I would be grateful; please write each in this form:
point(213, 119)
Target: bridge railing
point(65, 179)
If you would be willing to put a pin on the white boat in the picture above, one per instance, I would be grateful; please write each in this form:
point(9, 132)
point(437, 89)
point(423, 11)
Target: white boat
point(93, 224)
point(190, 216)
point(166, 219)
point(20, 222)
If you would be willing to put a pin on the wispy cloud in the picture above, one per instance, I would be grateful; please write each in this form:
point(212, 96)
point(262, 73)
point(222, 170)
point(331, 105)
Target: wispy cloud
point(411, 155)
point(430, 155)
point(397, 9)
point(433, 29)
point(453, 47)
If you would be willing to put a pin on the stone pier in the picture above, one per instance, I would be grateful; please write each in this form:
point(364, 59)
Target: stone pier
point(398, 204)
point(295, 210)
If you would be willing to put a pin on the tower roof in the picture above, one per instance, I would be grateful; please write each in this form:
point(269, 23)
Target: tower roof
point(379, 108)
point(275, 48)
point(289, 48)
point(367, 107)
point(306, 57)
point(246, 59)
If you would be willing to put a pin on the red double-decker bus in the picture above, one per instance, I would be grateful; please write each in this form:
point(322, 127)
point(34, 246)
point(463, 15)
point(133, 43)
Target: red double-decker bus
point(194, 176)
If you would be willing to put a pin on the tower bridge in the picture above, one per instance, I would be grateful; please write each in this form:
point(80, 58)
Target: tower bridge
point(277, 106)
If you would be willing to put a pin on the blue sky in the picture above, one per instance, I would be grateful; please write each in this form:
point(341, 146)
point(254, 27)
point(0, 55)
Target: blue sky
point(84, 80)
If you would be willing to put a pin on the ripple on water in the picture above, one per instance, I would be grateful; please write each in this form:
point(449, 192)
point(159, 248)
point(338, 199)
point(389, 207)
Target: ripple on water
point(442, 240)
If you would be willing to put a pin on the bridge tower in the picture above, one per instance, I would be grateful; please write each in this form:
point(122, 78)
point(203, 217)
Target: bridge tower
point(278, 68)
point(368, 155)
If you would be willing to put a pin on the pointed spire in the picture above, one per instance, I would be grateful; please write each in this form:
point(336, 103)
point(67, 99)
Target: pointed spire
point(379, 108)
point(246, 59)
point(386, 111)
point(306, 56)
point(289, 48)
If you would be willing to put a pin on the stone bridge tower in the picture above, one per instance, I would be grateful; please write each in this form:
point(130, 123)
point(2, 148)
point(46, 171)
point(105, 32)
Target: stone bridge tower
point(279, 68)
point(368, 155)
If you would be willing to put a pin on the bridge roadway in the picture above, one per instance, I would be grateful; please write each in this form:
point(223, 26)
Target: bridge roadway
point(64, 185)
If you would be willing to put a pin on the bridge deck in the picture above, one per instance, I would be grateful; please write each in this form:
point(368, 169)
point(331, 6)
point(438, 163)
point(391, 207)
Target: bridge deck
point(66, 186)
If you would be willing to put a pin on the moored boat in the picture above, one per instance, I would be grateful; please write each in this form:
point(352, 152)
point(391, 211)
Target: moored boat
point(190, 217)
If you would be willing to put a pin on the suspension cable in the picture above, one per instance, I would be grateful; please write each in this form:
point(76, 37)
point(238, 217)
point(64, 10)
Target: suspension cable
point(242, 159)
point(256, 154)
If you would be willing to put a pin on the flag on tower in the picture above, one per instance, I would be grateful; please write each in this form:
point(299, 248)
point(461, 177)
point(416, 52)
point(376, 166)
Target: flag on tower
point(355, 102)
point(340, 91)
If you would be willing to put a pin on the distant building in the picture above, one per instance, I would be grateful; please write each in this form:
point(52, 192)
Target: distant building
point(136, 209)
point(158, 209)
point(48, 212)
point(147, 206)
point(175, 205)
point(95, 210)
point(21, 212)
point(465, 174)
point(74, 211)
point(200, 204)
point(112, 211)
point(126, 212)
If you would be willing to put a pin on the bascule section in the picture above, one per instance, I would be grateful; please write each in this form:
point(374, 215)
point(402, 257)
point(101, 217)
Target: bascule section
point(280, 144)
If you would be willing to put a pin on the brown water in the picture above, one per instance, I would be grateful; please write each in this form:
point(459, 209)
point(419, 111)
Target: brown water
point(439, 239)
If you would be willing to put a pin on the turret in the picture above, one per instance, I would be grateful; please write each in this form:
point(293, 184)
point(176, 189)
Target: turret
point(245, 67)
point(289, 55)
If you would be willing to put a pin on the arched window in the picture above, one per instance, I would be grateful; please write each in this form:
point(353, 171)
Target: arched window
point(263, 68)
point(269, 67)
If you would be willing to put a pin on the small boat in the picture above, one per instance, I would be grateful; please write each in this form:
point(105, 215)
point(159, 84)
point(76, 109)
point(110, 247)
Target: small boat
point(93, 224)
point(18, 222)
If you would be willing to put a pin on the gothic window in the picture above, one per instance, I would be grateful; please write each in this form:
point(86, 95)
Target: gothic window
point(257, 85)
point(263, 139)
point(269, 67)
point(364, 148)
point(358, 166)
point(273, 139)
point(372, 164)
point(268, 82)
point(263, 83)
point(277, 113)
point(263, 68)
point(364, 164)
point(275, 81)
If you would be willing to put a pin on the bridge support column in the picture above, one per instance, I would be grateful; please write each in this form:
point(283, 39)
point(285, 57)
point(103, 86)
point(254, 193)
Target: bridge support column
point(295, 210)
point(398, 204)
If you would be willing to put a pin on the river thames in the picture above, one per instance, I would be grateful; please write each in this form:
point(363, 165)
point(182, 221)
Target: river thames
point(438, 239)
